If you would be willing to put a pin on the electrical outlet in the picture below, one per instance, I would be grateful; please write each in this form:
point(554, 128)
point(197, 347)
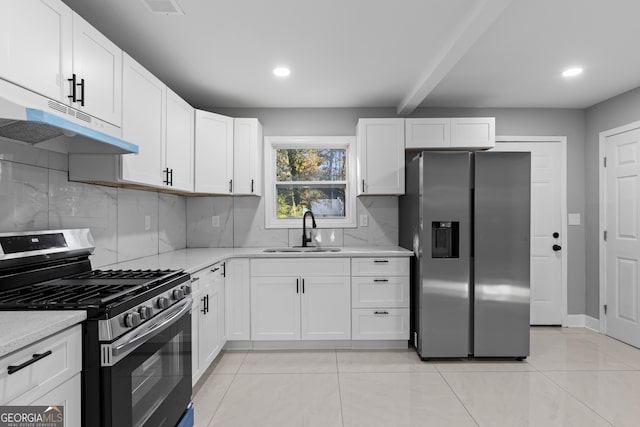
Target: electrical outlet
point(147, 223)
point(364, 220)
point(215, 221)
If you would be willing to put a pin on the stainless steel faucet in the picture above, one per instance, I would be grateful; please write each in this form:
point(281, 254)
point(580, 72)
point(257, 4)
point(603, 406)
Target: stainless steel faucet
point(306, 239)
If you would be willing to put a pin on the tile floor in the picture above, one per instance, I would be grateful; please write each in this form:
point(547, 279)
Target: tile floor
point(574, 377)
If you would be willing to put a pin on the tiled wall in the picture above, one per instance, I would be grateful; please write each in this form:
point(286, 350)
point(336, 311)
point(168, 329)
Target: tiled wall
point(36, 195)
point(242, 224)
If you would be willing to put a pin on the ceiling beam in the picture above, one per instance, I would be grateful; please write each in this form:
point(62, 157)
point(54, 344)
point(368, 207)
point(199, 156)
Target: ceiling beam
point(465, 34)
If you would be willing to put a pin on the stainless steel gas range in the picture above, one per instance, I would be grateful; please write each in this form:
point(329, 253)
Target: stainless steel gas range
point(137, 336)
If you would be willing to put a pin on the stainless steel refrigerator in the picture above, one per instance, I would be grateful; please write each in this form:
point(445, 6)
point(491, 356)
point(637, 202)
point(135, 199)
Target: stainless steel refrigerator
point(466, 216)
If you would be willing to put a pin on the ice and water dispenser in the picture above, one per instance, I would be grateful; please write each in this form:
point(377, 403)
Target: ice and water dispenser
point(445, 239)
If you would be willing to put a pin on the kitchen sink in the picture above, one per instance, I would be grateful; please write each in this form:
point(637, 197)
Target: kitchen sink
point(302, 249)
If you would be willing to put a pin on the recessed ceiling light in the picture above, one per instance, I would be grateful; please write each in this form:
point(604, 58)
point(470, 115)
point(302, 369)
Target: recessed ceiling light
point(281, 71)
point(572, 72)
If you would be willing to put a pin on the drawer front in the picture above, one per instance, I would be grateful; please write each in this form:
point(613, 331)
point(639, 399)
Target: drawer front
point(200, 280)
point(373, 292)
point(380, 324)
point(380, 266)
point(300, 267)
point(217, 271)
point(64, 362)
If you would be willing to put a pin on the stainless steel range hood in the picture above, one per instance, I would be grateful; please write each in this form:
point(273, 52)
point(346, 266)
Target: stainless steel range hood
point(33, 119)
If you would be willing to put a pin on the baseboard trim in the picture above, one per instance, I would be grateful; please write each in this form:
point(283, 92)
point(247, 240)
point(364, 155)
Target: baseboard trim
point(582, 321)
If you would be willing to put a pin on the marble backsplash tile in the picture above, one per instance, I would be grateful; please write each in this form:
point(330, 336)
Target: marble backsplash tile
point(78, 205)
point(383, 222)
point(24, 200)
point(250, 231)
point(200, 231)
point(137, 224)
point(172, 222)
point(322, 237)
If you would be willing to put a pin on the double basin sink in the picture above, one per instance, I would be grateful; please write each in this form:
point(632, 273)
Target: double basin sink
point(296, 249)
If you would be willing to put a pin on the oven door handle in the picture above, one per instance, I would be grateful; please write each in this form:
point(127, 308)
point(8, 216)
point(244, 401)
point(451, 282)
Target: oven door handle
point(116, 351)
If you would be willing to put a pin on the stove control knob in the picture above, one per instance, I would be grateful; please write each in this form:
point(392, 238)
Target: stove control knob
point(163, 303)
point(145, 312)
point(186, 289)
point(132, 320)
point(177, 294)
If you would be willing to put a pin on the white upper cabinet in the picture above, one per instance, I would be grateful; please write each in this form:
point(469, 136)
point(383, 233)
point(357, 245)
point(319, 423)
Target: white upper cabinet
point(143, 122)
point(380, 157)
point(35, 51)
point(97, 68)
point(50, 50)
point(178, 155)
point(473, 132)
point(247, 157)
point(451, 133)
point(213, 153)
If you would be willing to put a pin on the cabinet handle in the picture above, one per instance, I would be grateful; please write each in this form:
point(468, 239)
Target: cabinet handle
point(230, 186)
point(170, 176)
point(11, 369)
point(207, 304)
point(215, 269)
point(380, 261)
point(252, 186)
point(303, 286)
point(380, 280)
point(165, 176)
point(363, 185)
point(81, 99)
point(203, 310)
point(224, 269)
point(72, 80)
point(380, 312)
point(297, 288)
point(194, 279)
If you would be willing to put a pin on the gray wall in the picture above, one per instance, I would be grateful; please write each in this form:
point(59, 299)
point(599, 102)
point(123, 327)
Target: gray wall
point(512, 122)
point(614, 112)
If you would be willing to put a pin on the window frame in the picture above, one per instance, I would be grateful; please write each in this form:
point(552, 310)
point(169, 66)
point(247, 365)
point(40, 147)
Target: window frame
point(273, 143)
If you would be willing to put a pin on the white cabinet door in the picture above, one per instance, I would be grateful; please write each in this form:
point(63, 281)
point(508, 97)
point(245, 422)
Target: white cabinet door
point(144, 98)
point(473, 132)
point(247, 157)
point(98, 61)
point(195, 339)
point(237, 287)
point(275, 308)
point(427, 133)
point(326, 308)
point(209, 334)
point(67, 394)
point(35, 47)
point(178, 155)
point(213, 153)
point(380, 156)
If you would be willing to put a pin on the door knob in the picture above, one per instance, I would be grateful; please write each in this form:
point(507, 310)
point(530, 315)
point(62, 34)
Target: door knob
point(556, 235)
point(556, 247)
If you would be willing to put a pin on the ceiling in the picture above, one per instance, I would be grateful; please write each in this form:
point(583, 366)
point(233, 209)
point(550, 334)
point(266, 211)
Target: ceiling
point(377, 53)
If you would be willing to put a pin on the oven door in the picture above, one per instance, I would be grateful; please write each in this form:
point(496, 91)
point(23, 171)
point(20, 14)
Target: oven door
point(149, 380)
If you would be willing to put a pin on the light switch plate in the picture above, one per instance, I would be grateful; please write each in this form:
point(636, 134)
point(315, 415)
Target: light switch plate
point(364, 220)
point(147, 222)
point(574, 219)
point(215, 221)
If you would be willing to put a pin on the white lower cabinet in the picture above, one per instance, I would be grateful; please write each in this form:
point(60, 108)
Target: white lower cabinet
point(287, 304)
point(237, 288)
point(208, 334)
point(380, 298)
point(53, 379)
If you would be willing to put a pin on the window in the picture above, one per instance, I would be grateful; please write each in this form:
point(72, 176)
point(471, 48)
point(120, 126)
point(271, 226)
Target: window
point(309, 173)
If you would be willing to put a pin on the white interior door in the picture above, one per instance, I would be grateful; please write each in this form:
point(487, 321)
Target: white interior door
point(546, 220)
point(622, 246)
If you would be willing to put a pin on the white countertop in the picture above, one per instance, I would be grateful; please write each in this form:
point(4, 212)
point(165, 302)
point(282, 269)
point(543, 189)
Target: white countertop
point(194, 259)
point(21, 328)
